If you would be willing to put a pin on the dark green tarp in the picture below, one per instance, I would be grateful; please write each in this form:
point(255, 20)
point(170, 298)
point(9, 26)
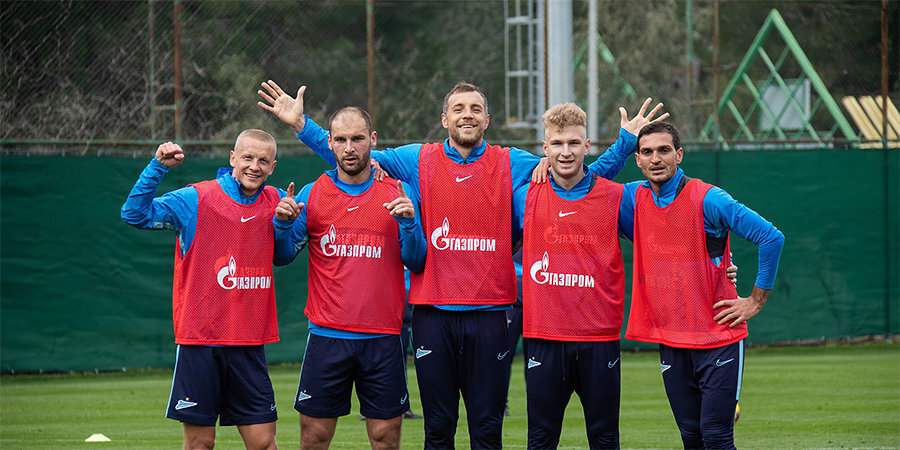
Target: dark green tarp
point(81, 290)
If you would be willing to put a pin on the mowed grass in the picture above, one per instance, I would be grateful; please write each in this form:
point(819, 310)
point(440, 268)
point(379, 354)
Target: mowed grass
point(834, 396)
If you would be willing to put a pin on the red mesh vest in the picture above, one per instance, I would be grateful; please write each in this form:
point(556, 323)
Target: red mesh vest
point(573, 279)
point(223, 292)
point(467, 218)
point(355, 270)
point(675, 285)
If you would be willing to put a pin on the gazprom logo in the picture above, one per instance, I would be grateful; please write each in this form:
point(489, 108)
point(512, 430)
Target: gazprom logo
point(441, 240)
point(227, 279)
point(540, 275)
point(360, 249)
point(439, 236)
point(539, 268)
point(327, 242)
point(227, 272)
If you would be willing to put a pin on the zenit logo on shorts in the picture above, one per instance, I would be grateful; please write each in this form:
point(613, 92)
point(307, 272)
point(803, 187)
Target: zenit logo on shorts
point(182, 404)
point(248, 279)
point(540, 276)
point(442, 240)
point(352, 245)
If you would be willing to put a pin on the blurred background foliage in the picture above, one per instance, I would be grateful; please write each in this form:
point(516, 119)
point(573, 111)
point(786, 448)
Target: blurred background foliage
point(79, 71)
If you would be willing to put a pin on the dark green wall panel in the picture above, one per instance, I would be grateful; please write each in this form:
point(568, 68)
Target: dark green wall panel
point(81, 290)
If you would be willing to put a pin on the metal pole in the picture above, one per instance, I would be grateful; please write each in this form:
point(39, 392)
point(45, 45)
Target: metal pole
point(151, 46)
point(689, 60)
point(545, 64)
point(370, 55)
point(885, 167)
point(715, 61)
point(592, 113)
point(560, 68)
point(179, 81)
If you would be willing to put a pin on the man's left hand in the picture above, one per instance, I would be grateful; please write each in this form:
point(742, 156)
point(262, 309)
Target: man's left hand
point(639, 121)
point(741, 309)
point(402, 206)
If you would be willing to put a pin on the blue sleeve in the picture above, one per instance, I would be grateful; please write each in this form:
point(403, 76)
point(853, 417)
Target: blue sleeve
point(284, 250)
point(295, 229)
point(401, 163)
point(176, 210)
point(316, 138)
point(521, 164)
point(520, 195)
point(721, 213)
point(626, 210)
point(613, 159)
point(413, 247)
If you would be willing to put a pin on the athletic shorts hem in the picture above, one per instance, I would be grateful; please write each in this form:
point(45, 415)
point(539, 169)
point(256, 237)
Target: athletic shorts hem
point(249, 420)
point(203, 421)
point(381, 415)
point(321, 413)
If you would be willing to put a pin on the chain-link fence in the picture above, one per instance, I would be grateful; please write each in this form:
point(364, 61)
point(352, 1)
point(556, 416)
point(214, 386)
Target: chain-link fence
point(85, 75)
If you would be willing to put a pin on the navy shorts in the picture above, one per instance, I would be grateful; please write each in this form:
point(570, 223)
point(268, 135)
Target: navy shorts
point(703, 387)
point(461, 352)
point(230, 384)
point(556, 369)
point(331, 366)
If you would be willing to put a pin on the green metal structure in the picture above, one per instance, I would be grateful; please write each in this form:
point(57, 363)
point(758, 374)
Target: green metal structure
point(607, 56)
point(787, 120)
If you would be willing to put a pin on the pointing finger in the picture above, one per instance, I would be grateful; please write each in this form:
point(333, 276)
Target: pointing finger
point(290, 189)
point(400, 191)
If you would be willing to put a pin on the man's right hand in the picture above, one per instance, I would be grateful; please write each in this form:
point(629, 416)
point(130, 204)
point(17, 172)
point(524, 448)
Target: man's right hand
point(288, 208)
point(169, 154)
point(539, 174)
point(285, 107)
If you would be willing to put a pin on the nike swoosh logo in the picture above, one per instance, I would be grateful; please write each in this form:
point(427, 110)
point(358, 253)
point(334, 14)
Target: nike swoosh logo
point(351, 209)
point(612, 364)
point(245, 219)
point(458, 179)
point(562, 214)
point(502, 355)
point(722, 363)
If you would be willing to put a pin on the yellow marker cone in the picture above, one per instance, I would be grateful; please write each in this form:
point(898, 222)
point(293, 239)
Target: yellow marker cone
point(98, 438)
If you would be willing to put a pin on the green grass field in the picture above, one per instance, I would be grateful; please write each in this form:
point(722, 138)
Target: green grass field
point(801, 397)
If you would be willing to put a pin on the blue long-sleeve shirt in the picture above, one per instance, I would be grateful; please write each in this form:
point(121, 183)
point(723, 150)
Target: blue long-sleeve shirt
point(412, 241)
point(403, 163)
point(721, 213)
point(177, 210)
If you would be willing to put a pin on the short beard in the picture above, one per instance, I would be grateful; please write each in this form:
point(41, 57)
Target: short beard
point(364, 164)
point(465, 142)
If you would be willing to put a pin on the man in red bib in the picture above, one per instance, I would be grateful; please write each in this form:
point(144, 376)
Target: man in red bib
point(574, 287)
point(223, 301)
point(681, 298)
point(357, 294)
